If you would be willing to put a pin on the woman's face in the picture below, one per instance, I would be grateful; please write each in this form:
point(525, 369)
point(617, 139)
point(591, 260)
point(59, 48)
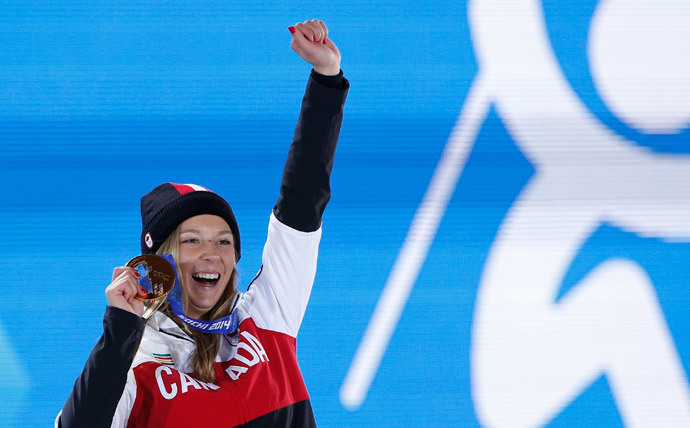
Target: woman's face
point(206, 259)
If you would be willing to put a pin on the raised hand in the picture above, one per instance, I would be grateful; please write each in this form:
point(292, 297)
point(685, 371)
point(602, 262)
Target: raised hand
point(310, 41)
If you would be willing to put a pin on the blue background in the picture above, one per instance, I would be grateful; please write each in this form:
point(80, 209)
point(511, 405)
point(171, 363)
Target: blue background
point(101, 101)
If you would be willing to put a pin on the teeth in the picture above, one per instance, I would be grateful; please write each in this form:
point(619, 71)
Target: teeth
point(210, 276)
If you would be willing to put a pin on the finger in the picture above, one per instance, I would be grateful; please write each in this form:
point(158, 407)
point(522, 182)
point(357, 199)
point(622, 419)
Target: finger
point(300, 41)
point(128, 278)
point(317, 29)
point(324, 30)
point(135, 289)
point(118, 271)
point(121, 269)
point(134, 276)
point(304, 31)
point(118, 289)
point(125, 285)
point(131, 287)
point(116, 293)
point(308, 30)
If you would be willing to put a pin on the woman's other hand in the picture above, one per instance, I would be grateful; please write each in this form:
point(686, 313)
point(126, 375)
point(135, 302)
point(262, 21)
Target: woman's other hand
point(121, 291)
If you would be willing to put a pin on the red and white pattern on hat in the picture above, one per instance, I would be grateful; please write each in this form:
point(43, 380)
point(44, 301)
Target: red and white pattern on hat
point(188, 188)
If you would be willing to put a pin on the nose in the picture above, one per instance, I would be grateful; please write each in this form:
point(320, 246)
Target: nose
point(210, 251)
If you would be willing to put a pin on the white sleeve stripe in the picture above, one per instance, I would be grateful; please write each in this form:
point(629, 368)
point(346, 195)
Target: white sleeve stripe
point(278, 296)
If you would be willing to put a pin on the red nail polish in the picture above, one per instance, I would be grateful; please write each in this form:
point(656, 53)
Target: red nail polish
point(292, 29)
point(142, 291)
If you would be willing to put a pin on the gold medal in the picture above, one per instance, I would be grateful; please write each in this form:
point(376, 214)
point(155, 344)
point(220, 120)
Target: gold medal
point(155, 275)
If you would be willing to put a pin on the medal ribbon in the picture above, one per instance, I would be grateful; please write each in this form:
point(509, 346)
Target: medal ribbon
point(225, 325)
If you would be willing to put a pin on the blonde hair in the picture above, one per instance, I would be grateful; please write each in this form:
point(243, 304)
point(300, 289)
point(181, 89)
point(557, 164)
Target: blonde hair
point(207, 344)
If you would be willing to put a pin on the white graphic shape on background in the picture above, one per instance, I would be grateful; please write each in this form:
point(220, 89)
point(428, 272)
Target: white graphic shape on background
point(639, 55)
point(15, 382)
point(530, 357)
point(414, 249)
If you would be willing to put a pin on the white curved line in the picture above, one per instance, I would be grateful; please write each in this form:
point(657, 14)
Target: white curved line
point(414, 250)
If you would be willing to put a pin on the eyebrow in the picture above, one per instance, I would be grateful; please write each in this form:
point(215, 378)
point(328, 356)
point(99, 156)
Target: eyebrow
point(222, 232)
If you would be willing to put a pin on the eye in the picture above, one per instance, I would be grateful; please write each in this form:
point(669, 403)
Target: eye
point(225, 242)
point(190, 241)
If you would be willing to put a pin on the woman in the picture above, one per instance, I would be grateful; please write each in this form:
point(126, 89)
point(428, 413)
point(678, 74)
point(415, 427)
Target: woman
point(162, 372)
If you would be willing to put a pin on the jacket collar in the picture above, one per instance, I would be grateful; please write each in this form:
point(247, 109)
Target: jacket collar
point(161, 322)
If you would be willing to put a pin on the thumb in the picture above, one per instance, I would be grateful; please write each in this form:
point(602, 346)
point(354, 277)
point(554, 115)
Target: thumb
point(331, 46)
point(138, 307)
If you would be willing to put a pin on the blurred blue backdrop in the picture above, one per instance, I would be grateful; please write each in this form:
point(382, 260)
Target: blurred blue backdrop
point(101, 101)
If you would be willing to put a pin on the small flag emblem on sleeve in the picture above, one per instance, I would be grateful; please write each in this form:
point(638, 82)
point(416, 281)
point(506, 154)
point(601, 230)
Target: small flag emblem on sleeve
point(164, 359)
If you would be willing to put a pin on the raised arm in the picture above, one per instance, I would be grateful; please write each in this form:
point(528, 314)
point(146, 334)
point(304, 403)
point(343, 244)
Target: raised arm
point(281, 291)
point(305, 185)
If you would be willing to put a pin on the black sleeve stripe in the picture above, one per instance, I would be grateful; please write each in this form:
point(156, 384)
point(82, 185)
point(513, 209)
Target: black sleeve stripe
point(99, 387)
point(305, 186)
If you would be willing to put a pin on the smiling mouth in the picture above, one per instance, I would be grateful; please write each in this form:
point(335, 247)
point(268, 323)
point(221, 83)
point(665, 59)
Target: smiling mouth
point(206, 279)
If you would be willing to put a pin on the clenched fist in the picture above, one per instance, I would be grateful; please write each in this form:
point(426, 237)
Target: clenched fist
point(310, 41)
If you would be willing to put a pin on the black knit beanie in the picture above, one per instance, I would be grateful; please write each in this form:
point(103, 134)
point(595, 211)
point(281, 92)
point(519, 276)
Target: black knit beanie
point(168, 205)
